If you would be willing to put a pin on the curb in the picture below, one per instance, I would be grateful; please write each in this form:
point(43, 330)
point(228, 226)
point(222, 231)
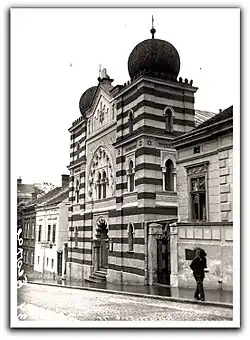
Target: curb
point(157, 297)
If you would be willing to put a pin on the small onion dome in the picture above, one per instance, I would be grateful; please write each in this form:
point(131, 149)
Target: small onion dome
point(154, 57)
point(86, 99)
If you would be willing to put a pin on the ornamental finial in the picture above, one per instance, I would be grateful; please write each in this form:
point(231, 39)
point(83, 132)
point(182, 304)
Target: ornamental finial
point(153, 30)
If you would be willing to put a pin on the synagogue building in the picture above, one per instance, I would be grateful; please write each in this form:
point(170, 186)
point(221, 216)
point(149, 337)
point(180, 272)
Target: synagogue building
point(123, 171)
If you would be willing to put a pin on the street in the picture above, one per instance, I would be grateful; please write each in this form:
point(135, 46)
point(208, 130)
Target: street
point(46, 303)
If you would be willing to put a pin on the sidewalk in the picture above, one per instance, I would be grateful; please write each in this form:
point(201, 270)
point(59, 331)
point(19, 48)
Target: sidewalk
point(213, 297)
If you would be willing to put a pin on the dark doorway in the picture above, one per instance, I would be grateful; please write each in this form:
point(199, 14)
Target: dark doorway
point(59, 263)
point(163, 259)
point(104, 248)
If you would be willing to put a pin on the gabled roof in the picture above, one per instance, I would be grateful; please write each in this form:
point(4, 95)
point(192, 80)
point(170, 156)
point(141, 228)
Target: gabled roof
point(227, 113)
point(43, 198)
point(202, 116)
point(216, 125)
point(60, 196)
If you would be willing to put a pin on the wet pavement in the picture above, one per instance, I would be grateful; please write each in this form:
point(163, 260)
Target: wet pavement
point(53, 303)
point(157, 289)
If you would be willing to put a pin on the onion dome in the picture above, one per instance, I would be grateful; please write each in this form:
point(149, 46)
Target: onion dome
point(154, 57)
point(86, 99)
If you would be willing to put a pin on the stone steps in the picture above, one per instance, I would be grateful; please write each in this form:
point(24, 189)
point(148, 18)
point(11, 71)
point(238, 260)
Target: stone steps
point(98, 276)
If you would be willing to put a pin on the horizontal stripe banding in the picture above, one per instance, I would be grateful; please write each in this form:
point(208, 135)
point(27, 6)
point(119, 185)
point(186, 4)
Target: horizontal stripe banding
point(80, 239)
point(88, 216)
point(120, 159)
point(119, 199)
point(81, 228)
point(148, 180)
point(75, 143)
point(150, 116)
point(81, 159)
point(121, 186)
point(147, 166)
point(79, 261)
point(115, 226)
point(166, 211)
point(127, 254)
point(148, 130)
point(118, 240)
point(78, 133)
point(82, 174)
point(187, 113)
point(147, 151)
point(146, 195)
point(80, 250)
point(156, 93)
point(76, 152)
point(121, 173)
point(76, 218)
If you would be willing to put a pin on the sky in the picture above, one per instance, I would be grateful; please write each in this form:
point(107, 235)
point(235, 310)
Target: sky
point(55, 56)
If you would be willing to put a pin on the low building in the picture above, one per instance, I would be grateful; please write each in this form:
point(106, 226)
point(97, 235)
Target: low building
point(204, 166)
point(52, 233)
point(29, 230)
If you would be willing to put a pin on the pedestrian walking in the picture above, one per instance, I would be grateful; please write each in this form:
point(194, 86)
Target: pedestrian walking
point(198, 266)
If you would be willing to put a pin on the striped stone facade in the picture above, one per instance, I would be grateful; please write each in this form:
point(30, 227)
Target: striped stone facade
point(124, 133)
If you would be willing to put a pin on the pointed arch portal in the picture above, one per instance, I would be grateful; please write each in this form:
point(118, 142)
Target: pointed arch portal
point(103, 243)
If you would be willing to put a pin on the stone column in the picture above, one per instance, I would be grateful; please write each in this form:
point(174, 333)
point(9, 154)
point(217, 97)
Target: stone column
point(154, 232)
point(96, 246)
point(163, 178)
point(174, 254)
point(64, 260)
point(174, 177)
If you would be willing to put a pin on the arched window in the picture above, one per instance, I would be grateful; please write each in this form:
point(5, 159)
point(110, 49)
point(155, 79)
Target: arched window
point(130, 237)
point(77, 190)
point(99, 186)
point(130, 120)
point(168, 120)
point(169, 175)
point(104, 183)
point(131, 177)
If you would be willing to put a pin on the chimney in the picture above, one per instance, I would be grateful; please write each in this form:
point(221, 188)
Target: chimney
point(220, 110)
point(19, 180)
point(65, 180)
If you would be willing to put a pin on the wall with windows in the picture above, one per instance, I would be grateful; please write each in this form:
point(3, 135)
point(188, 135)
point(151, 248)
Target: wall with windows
point(52, 228)
point(205, 186)
point(204, 181)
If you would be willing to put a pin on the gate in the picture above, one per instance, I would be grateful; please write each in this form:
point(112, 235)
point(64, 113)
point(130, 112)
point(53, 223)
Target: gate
point(59, 263)
point(163, 259)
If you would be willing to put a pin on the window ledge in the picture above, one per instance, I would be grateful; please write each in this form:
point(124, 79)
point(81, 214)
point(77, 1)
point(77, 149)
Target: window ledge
point(130, 251)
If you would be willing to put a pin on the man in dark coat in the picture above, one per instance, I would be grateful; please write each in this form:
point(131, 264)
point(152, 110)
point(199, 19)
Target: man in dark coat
point(198, 265)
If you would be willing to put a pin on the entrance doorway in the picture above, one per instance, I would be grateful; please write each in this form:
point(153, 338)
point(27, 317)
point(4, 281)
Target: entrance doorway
point(104, 248)
point(102, 237)
point(163, 258)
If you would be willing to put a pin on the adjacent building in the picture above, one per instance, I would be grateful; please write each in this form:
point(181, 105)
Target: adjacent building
point(25, 192)
point(52, 232)
point(29, 224)
point(204, 165)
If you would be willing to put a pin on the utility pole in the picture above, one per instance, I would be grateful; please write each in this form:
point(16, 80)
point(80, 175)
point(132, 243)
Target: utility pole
point(44, 244)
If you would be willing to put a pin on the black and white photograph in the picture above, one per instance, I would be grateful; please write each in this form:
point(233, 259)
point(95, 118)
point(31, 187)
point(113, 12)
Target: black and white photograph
point(125, 167)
